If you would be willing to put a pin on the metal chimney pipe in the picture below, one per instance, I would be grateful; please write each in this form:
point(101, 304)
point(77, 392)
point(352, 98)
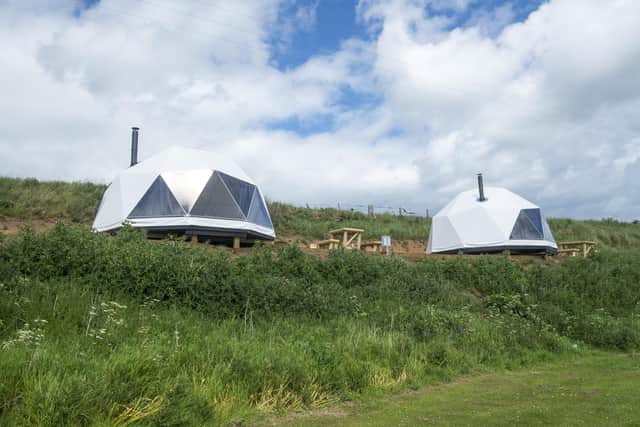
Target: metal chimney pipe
point(481, 188)
point(134, 145)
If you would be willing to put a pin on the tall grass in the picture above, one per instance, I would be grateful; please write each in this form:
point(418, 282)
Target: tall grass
point(288, 282)
point(315, 223)
point(115, 329)
point(115, 359)
point(33, 199)
point(608, 232)
point(78, 203)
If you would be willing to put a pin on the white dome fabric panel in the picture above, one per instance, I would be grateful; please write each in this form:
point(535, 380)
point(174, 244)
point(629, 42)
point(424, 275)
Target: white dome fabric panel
point(481, 231)
point(503, 221)
point(189, 159)
point(186, 186)
point(110, 209)
point(446, 237)
point(182, 188)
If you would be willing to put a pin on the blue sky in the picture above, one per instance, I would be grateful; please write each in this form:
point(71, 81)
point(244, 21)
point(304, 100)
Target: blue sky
point(334, 22)
point(521, 10)
point(384, 102)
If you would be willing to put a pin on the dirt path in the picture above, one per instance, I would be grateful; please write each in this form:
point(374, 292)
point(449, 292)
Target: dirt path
point(11, 226)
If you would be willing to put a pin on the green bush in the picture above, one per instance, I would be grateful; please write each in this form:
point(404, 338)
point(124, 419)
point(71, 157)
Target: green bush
point(286, 282)
point(104, 329)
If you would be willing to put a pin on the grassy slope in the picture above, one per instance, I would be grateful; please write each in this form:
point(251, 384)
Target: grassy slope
point(315, 223)
point(197, 338)
point(597, 390)
point(32, 199)
point(112, 360)
point(77, 202)
point(608, 232)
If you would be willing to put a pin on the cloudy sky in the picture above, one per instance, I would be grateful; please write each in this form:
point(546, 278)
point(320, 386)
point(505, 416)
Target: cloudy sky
point(394, 103)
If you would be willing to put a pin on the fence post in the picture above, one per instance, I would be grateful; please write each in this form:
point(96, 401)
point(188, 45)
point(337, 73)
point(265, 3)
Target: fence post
point(370, 211)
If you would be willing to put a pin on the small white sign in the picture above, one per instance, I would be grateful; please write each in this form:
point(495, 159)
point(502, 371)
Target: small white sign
point(386, 241)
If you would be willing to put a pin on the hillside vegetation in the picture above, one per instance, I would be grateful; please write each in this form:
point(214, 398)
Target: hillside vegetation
point(30, 199)
point(99, 329)
point(115, 330)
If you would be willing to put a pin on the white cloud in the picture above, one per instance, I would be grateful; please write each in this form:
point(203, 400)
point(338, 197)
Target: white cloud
point(543, 107)
point(547, 107)
point(76, 84)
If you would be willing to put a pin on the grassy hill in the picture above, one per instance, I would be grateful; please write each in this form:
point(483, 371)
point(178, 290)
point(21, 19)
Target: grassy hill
point(116, 330)
point(33, 199)
point(30, 199)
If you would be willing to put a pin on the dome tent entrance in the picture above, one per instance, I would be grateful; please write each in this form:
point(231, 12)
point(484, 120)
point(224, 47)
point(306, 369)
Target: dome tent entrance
point(182, 189)
point(504, 221)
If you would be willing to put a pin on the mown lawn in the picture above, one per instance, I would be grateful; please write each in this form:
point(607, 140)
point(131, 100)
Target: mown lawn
point(596, 390)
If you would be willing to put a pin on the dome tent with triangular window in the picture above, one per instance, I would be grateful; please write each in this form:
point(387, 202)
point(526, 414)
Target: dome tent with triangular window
point(489, 220)
point(184, 190)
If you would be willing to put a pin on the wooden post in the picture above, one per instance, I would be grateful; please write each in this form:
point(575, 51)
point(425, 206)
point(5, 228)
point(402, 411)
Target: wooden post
point(236, 243)
point(359, 240)
point(344, 239)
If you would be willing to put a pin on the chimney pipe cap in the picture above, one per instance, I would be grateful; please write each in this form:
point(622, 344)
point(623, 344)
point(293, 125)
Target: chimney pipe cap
point(134, 146)
point(482, 197)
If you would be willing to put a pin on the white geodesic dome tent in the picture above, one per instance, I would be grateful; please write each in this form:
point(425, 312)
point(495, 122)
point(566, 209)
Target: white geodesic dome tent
point(186, 190)
point(504, 221)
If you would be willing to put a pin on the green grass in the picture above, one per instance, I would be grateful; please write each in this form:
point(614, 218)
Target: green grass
point(315, 223)
point(608, 232)
point(77, 202)
point(112, 330)
point(597, 390)
point(54, 200)
point(100, 329)
point(70, 355)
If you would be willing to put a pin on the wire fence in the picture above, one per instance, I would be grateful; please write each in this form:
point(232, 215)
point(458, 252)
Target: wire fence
point(369, 209)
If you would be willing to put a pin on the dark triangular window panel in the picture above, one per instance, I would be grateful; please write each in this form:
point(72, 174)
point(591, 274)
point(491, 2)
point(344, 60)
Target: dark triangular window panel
point(548, 235)
point(258, 213)
point(242, 191)
point(524, 229)
point(215, 201)
point(535, 218)
point(158, 201)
